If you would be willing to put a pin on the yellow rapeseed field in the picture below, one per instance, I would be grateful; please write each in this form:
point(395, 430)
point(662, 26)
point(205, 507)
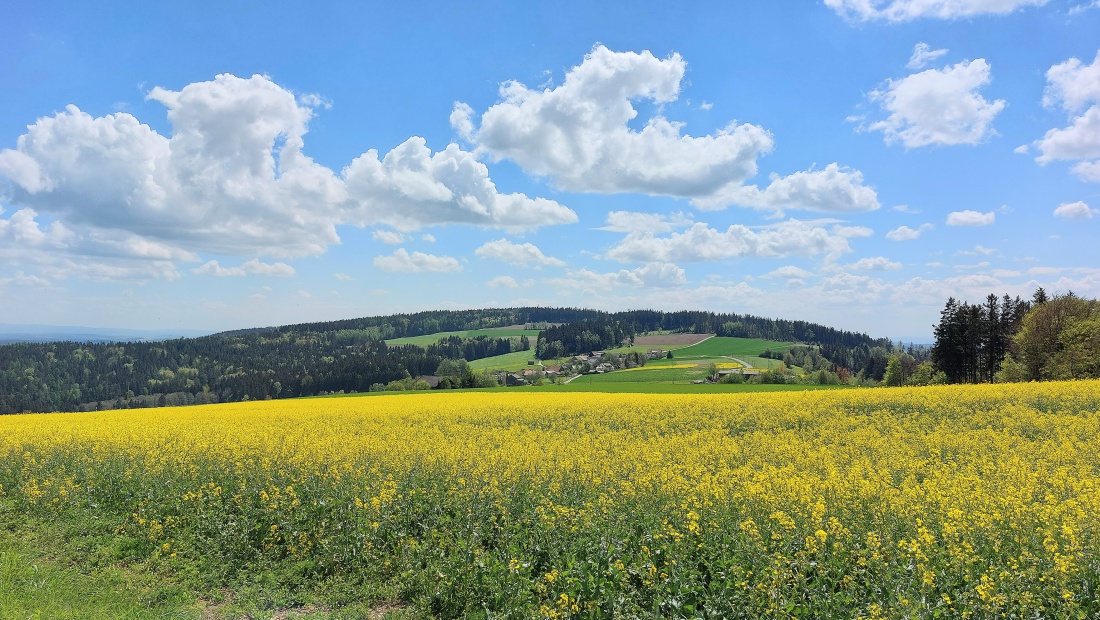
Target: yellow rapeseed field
point(955, 501)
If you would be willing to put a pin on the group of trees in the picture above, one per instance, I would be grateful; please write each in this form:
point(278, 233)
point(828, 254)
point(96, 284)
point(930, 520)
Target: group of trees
point(452, 375)
point(1058, 339)
point(582, 337)
point(972, 340)
point(1008, 339)
point(478, 347)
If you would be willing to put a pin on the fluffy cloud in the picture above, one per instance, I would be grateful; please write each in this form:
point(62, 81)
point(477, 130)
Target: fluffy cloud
point(412, 187)
point(523, 255)
point(651, 275)
point(402, 261)
point(57, 252)
point(388, 237)
point(878, 263)
point(1074, 85)
point(232, 178)
point(788, 272)
point(251, 268)
point(922, 55)
point(834, 189)
point(578, 133)
point(1088, 171)
point(1081, 140)
point(904, 233)
point(938, 106)
point(970, 218)
point(23, 230)
point(702, 243)
point(1074, 211)
point(908, 10)
point(635, 222)
point(503, 281)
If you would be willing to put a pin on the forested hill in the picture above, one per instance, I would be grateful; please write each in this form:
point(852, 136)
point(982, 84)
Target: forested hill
point(633, 321)
point(313, 358)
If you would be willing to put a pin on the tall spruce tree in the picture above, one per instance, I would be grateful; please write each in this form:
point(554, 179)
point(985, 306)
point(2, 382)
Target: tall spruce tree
point(973, 340)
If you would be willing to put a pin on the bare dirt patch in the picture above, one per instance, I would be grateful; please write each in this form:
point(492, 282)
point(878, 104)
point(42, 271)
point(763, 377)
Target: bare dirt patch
point(657, 340)
point(386, 608)
point(211, 610)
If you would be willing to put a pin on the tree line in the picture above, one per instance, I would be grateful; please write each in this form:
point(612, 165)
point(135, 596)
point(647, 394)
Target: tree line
point(71, 376)
point(1010, 339)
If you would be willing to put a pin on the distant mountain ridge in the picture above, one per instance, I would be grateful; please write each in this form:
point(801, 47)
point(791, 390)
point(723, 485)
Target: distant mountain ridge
point(14, 332)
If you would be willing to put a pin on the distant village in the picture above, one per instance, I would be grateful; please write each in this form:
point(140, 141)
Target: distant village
point(596, 362)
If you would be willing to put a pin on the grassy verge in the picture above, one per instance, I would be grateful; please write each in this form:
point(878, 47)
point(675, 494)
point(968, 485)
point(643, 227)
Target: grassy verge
point(41, 578)
point(79, 568)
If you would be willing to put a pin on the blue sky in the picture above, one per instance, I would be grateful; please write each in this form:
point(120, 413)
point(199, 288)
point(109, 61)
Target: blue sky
point(850, 162)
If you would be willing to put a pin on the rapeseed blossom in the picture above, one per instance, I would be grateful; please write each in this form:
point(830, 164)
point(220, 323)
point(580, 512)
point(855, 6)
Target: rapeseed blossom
point(909, 502)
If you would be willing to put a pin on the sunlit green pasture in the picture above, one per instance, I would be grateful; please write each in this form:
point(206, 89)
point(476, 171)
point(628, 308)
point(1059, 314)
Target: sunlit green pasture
point(738, 347)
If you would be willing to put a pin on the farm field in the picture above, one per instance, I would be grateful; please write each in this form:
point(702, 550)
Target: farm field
point(874, 503)
point(516, 360)
point(670, 387)
point(646, 374)
point(723, 346)
point(423, 341)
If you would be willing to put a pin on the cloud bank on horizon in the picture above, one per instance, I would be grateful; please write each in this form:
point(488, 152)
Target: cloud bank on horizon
point(631, 181)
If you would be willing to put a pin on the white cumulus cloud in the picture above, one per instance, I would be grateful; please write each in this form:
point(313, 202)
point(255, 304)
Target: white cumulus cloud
point(1074, 85)
point(520, 254)
point(833, 189)
point(909, 10)
point(1075, 211)
point(635, 222)
point(578, 134)
point(702, 243)
point(878, 263)
point(253, 267)
point(970, 218)
point(904, 233)
point(411, 187)
point(651, 275)
point(789, 272)
point(923, 54)
point(937, 106)
point(503, 281)
point(389, 237)
point(232, 178)
point(402, 261)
